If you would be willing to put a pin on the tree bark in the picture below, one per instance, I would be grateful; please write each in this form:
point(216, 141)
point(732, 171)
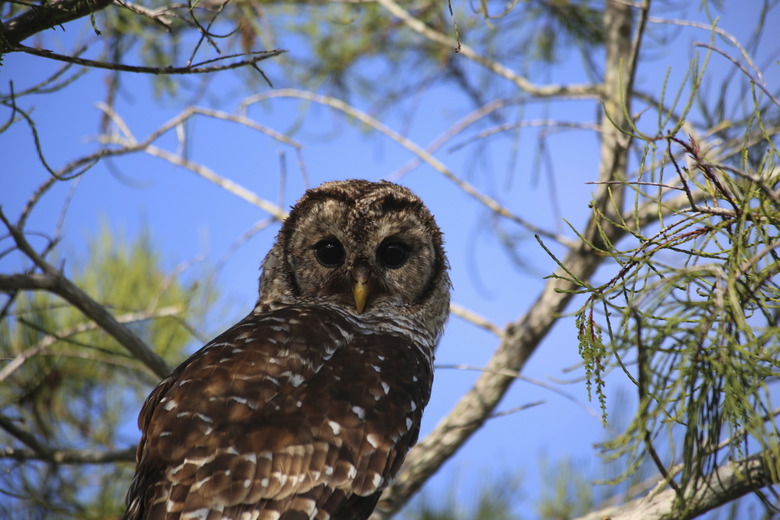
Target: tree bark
point(521, 338)
point(727, 483)
point(42, 17)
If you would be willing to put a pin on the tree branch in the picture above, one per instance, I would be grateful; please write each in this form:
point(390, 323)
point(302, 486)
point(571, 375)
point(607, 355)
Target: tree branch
point(522, 337)
point(497, 68)
point(54, 281)
point(728, 482)
point(71, 456)
point(45, 16)
point(204, 67)
point(49, 340)
point(473, 318)
point(38, 449)
point(489, 202)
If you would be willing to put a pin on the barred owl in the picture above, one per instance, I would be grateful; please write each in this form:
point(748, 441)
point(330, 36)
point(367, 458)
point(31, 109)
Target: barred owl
point(306, 408)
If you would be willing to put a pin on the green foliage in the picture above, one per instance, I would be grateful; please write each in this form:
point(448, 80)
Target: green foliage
point(691, 317)
point(567, 491)
point(594, 354)
point(566, 24)
point(77, 388)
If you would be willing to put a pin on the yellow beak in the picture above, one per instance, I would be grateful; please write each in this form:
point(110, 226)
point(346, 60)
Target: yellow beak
point(360, 292)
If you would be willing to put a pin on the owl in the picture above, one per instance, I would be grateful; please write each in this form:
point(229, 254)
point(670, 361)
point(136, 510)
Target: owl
point(306, 408)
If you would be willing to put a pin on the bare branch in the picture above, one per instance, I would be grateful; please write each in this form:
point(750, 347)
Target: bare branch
point(726, 483)
point(536, 382)
point(129, 144)
point(71, 456)
point(551, 123)
point(717, 30)
point(473, 318)
point(522, 337)
point(51, 339)
point(756, 82)
point(418, 26)
point(487, 109)
point(197, 68)
point(162, 15)
point(492, 204)
point(54, 281)
point(45, 16)
point(223, 182)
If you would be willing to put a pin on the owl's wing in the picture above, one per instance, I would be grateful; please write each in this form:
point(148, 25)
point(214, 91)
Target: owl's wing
point(290, 414)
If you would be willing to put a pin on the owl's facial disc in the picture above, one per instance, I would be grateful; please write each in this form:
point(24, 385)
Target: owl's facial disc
point(369, 248)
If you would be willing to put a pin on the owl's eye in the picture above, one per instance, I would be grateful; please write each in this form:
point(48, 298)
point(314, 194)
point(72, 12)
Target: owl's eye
point(392, 253)
point(329, 252)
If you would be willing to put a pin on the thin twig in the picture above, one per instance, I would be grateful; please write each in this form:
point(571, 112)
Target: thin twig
point(160, 15)
point(549, 123)
point(485, 110)
point(711, 28)
point(755, 81)
point(223, 182)
point(536, 382)
point(71, 456)
point(198, 68)
point(475, 319)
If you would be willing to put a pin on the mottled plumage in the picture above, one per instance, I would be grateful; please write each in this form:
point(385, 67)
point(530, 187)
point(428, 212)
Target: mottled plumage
point(307, 407)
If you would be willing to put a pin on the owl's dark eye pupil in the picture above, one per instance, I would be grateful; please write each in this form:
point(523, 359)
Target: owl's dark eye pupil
point(393, 254)
point(329, 252)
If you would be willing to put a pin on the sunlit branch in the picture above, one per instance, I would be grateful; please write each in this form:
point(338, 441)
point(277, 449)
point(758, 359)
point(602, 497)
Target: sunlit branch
point(474, 319)
point(129, 144)
point(522, 337)
point(542, 91)
point(410, 145)
point(223, 182)
point(193, 111)
point(726, 483)
point(163, 15)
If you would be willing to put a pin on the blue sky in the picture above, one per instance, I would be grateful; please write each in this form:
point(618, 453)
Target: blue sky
point(189, 217)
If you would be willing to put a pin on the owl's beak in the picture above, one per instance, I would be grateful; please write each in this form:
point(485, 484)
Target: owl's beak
point(360, 292)
point(360, 289)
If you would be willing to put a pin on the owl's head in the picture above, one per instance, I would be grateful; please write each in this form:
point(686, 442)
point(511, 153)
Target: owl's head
point(371, 248)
